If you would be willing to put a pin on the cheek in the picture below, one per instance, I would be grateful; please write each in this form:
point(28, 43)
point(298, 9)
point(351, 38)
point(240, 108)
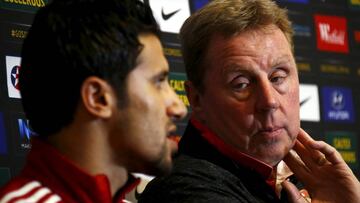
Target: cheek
point(148, 104)
point(147, 118)
point(215, 110)
point(292, 98)
point(230, 120)
point(149, 138)
point(293, 112)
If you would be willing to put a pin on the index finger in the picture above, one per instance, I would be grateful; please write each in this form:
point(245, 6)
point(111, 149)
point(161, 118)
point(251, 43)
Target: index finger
point(307, 141)
point(304, 137)
point(320, 148)
point(330, 152)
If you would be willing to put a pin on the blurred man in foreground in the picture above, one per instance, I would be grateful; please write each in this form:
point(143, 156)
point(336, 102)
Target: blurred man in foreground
point(94, 87)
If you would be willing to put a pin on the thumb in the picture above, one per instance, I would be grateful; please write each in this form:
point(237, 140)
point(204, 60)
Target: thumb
point(292, 192)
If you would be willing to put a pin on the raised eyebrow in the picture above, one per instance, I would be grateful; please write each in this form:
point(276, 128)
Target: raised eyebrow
point(285, 59)
point(234, 68)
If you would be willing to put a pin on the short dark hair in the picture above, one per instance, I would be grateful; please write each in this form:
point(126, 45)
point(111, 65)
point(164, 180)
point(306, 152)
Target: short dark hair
point(71, 40)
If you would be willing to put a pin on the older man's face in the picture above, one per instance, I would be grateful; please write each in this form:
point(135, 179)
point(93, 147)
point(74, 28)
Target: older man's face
point(251, 94)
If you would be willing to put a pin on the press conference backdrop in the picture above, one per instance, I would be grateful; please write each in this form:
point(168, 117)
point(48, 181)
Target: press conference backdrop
point(327, 51)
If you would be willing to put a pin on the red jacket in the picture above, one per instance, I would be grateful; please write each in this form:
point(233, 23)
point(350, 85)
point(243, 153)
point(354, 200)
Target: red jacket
point(50, 177)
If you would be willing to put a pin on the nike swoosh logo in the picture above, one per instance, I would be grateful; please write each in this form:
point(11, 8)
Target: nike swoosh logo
point(305, 100)
point(169, 15)
point(137, 194)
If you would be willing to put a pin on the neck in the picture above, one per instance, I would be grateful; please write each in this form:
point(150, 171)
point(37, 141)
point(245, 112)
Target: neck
point(87, 147)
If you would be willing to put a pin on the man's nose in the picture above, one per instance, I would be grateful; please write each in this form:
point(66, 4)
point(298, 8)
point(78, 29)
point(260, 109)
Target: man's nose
point(268, 97)
point(176, 109)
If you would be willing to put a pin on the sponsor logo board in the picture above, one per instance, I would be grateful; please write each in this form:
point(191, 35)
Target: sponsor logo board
point(24, 135)
point(339, 69)
point(357, 36)
point(337, 104)
point(12, 72)
point(198, 4)
point(355, 43)
point(172, 50)
point(170, 14)
point(346, 144)
point(309, 103)
point(354, 4)
point(304, 64)
point(14, 32)
point(23, 5)
point(177, 82)
point(331, 33)
point(303, 30)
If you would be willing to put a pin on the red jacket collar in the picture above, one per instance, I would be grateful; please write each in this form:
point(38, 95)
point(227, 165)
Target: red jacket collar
point(265, 170)
point(47, 165)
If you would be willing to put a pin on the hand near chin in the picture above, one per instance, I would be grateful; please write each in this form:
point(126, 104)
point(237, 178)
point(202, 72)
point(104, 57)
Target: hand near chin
point(326, 176)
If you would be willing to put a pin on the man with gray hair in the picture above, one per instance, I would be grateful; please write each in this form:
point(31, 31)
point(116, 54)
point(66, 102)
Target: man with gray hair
point(243, 88)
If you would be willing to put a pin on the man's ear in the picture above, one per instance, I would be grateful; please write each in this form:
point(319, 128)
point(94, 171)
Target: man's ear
point(98, 97)
point(193, 95)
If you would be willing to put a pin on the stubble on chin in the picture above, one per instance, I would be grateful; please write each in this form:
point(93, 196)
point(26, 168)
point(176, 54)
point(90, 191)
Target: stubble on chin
point(162, 165)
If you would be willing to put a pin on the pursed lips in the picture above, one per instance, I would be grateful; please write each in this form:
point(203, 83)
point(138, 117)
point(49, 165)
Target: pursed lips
point(270, 131)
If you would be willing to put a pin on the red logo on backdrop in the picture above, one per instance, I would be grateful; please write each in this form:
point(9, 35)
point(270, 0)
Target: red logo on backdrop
point(331, 33)
point(357, 36)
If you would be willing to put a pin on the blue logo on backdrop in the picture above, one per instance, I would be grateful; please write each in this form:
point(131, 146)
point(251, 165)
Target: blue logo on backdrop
point(3, 147)
point(25, 134)
point(301, 30)
point(199, 4)
point(24, 129)
point(338, 104)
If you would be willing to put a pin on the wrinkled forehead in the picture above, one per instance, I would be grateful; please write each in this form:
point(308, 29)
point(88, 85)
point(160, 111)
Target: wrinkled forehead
point(269, 39)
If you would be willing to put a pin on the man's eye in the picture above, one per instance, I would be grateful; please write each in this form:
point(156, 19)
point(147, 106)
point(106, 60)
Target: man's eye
point(241, 86)
point(278, 77)
point(240, 83)
point(161, 81)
